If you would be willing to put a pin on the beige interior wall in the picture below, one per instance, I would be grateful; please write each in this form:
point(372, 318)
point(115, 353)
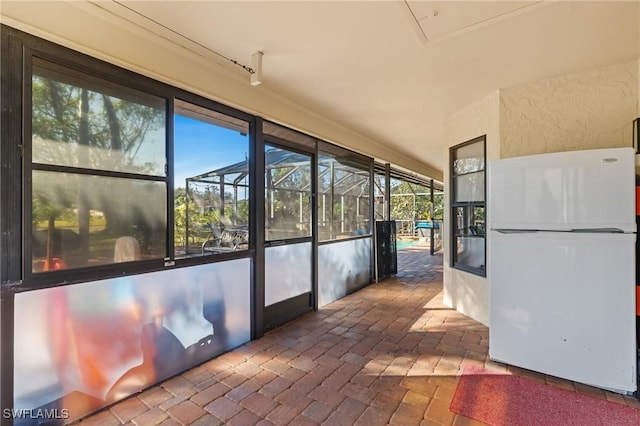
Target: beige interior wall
point(465, 292)
point(92, 29)
point(586, 110)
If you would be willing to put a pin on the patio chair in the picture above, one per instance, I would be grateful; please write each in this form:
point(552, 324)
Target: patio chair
point(127, 249)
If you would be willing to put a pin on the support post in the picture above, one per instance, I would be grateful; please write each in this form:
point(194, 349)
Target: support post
point(432, 229)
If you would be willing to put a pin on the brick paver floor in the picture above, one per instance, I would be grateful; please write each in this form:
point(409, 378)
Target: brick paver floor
point(387, 354)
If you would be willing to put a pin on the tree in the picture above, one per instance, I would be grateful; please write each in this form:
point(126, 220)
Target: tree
point(413, 202)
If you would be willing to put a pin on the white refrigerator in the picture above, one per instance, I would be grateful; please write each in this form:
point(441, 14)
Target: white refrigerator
point(561, 265)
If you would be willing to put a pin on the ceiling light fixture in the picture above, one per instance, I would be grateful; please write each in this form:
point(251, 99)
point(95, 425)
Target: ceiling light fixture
point(256, 69)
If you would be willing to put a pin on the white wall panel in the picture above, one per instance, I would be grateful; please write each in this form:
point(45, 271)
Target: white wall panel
point(90, 344)
point(343, 267)
point(287, 272)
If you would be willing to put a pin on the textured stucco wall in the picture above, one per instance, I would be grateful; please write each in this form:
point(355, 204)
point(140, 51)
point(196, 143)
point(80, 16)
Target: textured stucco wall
point(465, 292)
point(586, 110)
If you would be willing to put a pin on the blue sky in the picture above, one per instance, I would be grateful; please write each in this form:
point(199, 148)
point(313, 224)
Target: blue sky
point(201, 147)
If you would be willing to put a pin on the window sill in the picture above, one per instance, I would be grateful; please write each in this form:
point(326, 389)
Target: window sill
point(471, 270)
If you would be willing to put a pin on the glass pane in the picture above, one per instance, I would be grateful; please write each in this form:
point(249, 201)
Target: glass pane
point(469, 187)
point(211, 182)
point(81, 220)
point(469, 234)
point(287, 194)
point(470, 221)
point(287, 272)
point(78, 121)
point(343, 206)
point(468, 158)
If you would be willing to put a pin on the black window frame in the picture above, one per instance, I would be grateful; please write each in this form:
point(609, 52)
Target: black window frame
point(28, 48)
point(92, 69)
point(454, 205)
point(252, 121)
point(278, 143)
point(198, 101)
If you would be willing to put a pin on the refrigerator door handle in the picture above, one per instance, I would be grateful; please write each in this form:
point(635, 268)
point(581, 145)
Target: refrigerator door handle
point(574, 230)
point(599, 230)
point(515, 231)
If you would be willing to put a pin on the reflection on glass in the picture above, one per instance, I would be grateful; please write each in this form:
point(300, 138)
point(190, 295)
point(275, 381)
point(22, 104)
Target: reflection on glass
point(78, 220)
point(93, 344)
point(469, 187)
point(343, 198)
point(287, 194)
point(470, 236)
point(470, 221)
point(469, 158)
point(211, 204)
point(79, 122)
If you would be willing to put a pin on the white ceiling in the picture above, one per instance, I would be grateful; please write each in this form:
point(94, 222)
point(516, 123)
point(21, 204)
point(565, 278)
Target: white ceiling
point(394, 70)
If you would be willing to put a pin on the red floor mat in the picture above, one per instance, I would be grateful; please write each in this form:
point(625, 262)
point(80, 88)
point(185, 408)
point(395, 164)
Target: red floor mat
point(502, 399)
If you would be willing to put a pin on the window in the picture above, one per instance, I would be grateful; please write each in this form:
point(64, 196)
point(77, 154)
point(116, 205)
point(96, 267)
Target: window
point(468, 206)
point(97, 192)
point(211, 182)
point(287, 194)
point(343, 194)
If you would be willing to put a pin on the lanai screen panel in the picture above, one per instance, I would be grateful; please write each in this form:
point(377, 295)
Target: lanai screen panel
point(343, 193)
point(211, 181)
point(287, 194)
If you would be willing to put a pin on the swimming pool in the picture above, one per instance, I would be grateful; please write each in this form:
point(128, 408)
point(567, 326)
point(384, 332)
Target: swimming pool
point(403, 244)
